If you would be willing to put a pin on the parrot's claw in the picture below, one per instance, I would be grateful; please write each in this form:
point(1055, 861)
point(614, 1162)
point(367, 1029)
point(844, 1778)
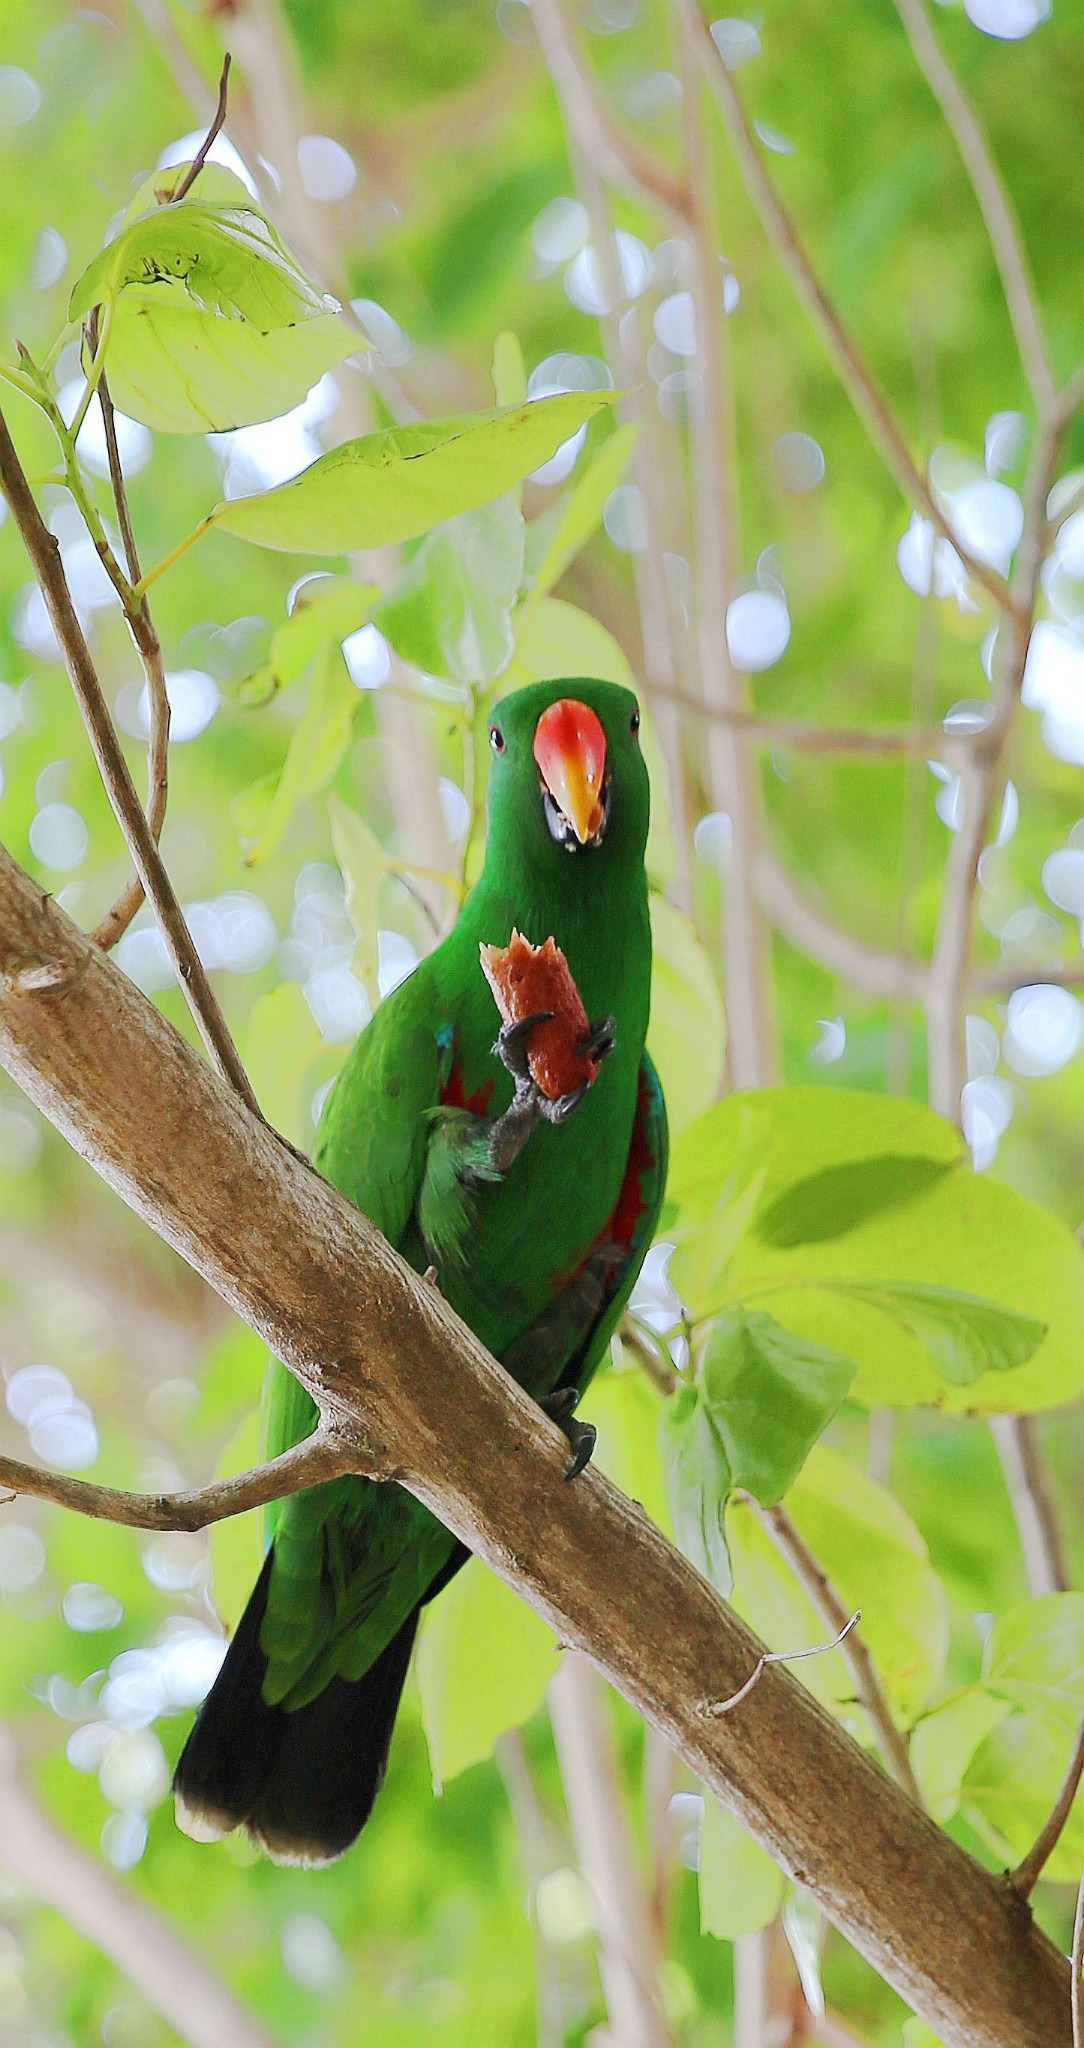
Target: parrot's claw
point(582, 1436)
point(600, 1040)
point(511, 1045)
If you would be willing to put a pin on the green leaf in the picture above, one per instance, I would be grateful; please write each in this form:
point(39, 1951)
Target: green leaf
point(228, 259)
point(870, 1192)
point(326, 611)
point(686, 1011)
point(962, 1336)
point(484, 1661)
point(582, 510)
point(831, 1203)
point(317, 745)
point(390, 486)
point(698, 1480)
point(450, 612)
point(916, 2034)
point(557, 639)
point(741, 1889)
point(281, 1047)
point(770, 1396)
point(625, 1409)
point(944, 1742)
point(183, 371)
point(363, 864)
point(1011, 1784)
point(876, 1560)
point(1035, 1655)
point(215, 184)
point(509, 369)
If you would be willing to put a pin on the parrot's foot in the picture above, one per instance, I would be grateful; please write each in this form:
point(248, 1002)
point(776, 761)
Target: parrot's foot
point(529, 1105)
point(582, 1436)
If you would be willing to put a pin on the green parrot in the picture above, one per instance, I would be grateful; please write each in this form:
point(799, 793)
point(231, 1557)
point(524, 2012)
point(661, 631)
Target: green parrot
point(536, 1215)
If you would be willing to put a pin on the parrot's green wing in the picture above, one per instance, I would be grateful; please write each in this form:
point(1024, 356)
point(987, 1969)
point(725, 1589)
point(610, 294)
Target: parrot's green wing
point(351, 1559)
point(567, 1343)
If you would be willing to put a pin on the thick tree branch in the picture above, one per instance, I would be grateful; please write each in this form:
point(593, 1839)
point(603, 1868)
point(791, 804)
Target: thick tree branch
point(401, 1379)
point(45, 560)
point(404, 1381)
point(319, 1457)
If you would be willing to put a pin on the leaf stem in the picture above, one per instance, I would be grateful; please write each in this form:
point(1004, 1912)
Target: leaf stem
point(175, 554)
point(1028, 1872)
point(96, 367)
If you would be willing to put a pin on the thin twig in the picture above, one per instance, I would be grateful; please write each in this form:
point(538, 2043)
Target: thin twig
point(309, 1463)
point(751, 1035)
point(865, 394)
point(873, 969)
point(622, 158)
point(803, 736)
point(117, 919)
point(823, 1596)
point(1078, 1969)
point(217, 121)
point(45, 560)
point(986, 183)
point(1032, 1503)
point(1028, 1872)
point(781, 1657)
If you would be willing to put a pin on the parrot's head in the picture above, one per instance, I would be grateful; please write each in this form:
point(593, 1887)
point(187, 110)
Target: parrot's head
point(567, 777)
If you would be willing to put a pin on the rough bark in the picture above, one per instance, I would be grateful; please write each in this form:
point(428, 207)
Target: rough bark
point(411, 1389)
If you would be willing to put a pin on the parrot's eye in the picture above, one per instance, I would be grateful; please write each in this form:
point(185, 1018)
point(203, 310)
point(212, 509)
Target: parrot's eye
point(496, 739)
point(634, 722)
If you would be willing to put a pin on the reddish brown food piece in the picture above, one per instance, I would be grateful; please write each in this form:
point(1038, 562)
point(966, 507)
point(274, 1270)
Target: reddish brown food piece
point(526, 978)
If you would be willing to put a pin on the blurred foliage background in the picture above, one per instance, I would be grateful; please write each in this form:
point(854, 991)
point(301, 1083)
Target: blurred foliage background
point(424, 167)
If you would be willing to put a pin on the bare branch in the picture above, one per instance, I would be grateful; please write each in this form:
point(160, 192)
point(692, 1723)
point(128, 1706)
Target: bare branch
point(751, 1033)
point(1028, 1872)
point(865, 394)
point(630, 1956)
point(317, 1458)
point(45, 560)
point(217, 122)
point(802, 736)
point(116, 921)
point(1032, 1503)
point(872, 969)
point(820, 1591)
point(153, 1955)
point(986, 183)
point(385, 1359)
point(621, 157)
point(1077, 1968)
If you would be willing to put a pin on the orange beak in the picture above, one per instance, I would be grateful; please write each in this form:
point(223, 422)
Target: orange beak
point(570, 750)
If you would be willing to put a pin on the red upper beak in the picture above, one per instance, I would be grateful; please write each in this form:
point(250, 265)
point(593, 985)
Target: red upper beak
point(570, 749)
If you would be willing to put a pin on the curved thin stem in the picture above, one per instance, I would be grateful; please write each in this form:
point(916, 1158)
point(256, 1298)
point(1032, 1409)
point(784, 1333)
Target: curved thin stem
point(1028, 1872)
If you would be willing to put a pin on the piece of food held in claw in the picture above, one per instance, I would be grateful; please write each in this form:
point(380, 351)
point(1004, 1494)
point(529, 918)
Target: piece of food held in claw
point(535, 981)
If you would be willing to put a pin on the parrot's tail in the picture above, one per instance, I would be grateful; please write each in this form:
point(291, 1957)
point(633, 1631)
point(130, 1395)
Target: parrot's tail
point(302, 1782)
